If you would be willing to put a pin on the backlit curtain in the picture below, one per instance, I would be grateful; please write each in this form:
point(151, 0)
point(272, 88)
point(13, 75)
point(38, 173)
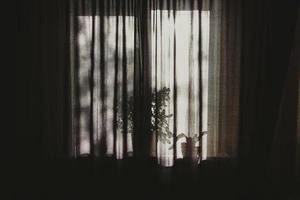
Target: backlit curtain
point(105, 49)
point(154, 79)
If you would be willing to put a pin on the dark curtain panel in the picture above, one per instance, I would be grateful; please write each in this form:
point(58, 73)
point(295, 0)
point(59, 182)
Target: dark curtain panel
point(43, 84)
point(43, 94)
point(284, 154)
point(268, 99)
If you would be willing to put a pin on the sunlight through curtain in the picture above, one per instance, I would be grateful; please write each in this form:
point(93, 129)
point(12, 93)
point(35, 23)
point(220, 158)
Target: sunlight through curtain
point(176, 71)
point(146, 79)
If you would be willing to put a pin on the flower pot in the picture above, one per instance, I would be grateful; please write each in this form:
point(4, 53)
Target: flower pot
point(189, 148)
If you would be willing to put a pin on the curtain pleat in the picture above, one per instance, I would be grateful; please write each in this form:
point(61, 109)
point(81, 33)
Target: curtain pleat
point(229, 92)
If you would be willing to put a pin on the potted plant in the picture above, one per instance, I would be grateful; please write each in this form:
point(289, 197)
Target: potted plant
point(159, 118)
point(189, 148)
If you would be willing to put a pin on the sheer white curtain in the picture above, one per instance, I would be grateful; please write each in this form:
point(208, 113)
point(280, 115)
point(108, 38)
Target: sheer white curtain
point(126, 55)
point(175, 66)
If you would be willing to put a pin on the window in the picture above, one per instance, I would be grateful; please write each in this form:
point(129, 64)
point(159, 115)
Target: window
point(105, 79)
point(175, 66)
point(110, 72)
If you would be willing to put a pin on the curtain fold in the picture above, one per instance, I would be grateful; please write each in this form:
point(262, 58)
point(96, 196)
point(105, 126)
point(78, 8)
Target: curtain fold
point(284, 156)
point(225, 42)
